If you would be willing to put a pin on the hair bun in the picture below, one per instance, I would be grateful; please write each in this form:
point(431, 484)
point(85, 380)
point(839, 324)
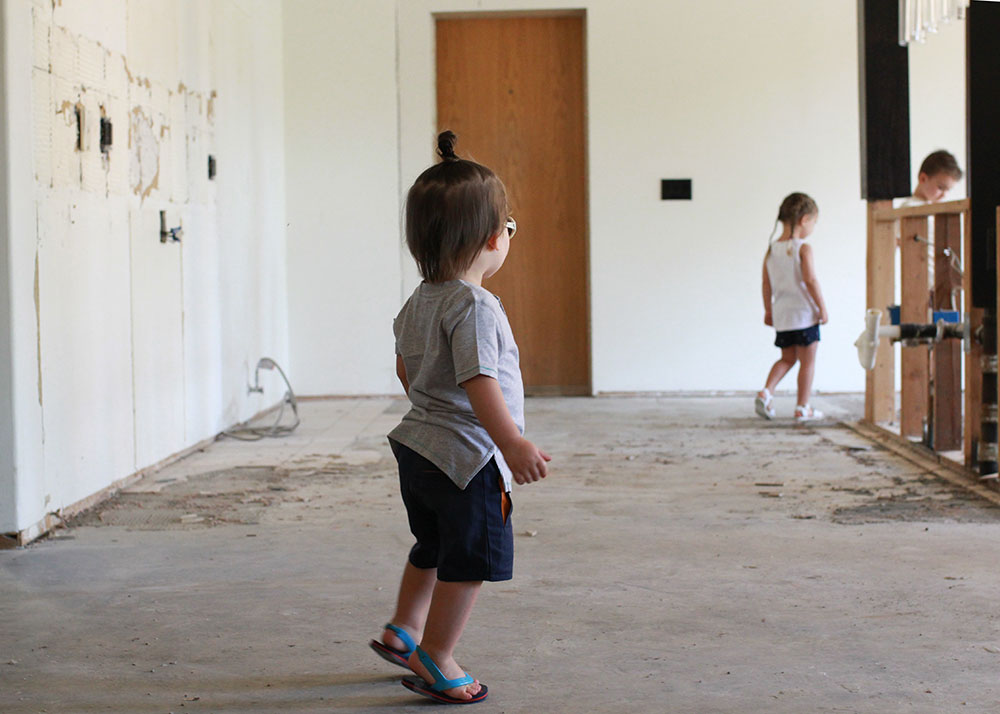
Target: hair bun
point(446, 145)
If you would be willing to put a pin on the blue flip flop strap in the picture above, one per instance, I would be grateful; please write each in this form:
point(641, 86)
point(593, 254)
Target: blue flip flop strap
point(404, 636)
point(440, 683)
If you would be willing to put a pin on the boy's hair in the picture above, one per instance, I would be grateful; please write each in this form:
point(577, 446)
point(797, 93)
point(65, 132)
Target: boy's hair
point(452, 210)
point(941, 162)
point(795, 207)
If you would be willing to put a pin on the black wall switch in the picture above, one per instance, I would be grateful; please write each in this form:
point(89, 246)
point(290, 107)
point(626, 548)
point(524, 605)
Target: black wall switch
point(675, 189)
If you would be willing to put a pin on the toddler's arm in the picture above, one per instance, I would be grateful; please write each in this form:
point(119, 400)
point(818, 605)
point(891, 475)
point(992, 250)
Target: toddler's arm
point(812, 282)
point(765, 288)
point(401, 373)
point(526, 461)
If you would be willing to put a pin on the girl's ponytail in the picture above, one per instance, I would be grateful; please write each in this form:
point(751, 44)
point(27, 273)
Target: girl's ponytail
point(770, 238)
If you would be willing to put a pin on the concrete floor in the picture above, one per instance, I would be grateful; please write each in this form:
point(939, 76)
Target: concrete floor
point(683, 556)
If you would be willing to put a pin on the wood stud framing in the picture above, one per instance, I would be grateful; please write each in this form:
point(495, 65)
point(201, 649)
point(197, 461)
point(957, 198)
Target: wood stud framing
point(931, 381)
point(947, 355)
point(914, 307)
point(973, 383)
point(880, 390)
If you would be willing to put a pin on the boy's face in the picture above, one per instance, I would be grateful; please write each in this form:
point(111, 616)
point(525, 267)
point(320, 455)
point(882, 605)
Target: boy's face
point(933, 188)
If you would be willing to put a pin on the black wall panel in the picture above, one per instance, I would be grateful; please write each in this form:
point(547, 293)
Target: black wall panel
point(884, 101)
point(983, 73)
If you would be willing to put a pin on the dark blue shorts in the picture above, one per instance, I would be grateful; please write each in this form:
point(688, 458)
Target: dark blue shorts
point(465, 534)
point(790, 338)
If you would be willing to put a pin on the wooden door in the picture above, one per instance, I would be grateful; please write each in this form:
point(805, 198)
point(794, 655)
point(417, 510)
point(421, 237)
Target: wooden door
point(512, 89)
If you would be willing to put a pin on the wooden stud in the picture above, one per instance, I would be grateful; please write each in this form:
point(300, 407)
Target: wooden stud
point(914, 307)
point(880, 386)
point(957, 206)
point(947, 420)
point(973, 375)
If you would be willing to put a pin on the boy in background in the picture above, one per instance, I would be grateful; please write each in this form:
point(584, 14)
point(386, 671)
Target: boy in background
point(938, 174)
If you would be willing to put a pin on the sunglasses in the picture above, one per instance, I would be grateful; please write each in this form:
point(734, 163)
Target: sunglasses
point(511, 225)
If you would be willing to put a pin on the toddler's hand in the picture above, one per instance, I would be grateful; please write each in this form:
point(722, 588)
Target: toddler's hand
point(526, 461)
point(823, 317)
point(768, 319)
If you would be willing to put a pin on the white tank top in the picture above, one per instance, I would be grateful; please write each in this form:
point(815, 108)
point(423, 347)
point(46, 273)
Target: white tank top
point(792, 307)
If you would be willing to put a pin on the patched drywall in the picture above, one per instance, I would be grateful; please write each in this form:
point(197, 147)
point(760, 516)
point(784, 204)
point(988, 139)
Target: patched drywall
point(144, 344)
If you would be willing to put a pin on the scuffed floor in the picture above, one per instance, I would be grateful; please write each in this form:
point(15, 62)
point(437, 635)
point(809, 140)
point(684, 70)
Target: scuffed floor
point(683, 556)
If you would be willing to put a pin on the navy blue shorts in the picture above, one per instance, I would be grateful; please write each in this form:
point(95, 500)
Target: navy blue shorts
point(789, 338)
point(465, 534)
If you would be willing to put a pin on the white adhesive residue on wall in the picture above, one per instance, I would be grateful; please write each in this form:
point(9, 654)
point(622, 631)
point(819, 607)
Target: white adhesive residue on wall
point(144, 154)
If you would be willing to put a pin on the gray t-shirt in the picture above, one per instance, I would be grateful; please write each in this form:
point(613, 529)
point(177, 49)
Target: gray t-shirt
point(448, 333)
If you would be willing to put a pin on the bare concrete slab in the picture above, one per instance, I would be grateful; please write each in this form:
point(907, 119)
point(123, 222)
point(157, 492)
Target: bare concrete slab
point(683, 556)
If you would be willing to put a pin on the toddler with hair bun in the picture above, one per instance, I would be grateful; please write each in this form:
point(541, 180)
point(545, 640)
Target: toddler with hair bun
point(461, 444)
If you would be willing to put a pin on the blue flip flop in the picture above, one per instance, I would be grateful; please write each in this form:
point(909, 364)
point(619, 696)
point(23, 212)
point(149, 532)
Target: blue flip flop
point(391, 654)
point(436, 691)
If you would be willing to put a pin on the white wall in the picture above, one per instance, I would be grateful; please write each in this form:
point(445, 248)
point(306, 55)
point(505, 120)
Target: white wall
point(128, 350)
point(753, 101)
point(937, 99)
point(8, 497)
point(25, 455)
point(342, 173)
point(750, 100)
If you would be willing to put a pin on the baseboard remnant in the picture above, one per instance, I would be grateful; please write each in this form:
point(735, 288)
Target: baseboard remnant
point(951, 471)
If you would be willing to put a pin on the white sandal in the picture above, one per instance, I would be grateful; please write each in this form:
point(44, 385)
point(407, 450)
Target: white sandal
point(762, 405)
point(807, 413)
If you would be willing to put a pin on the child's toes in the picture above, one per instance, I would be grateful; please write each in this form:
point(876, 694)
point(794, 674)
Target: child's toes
point(466, 692)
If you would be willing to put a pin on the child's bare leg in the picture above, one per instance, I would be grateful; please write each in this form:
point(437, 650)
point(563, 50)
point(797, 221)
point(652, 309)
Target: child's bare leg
point(415, 590)
point(779, 369)
point(807, 367)
point(450, 608)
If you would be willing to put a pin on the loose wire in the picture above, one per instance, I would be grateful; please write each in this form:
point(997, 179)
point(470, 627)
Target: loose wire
point(247, 432)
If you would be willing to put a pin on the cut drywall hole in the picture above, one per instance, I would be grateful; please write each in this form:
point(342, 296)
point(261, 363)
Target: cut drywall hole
point(675, 189)
point(211, 167)
point(81, 132)
point(105, 135)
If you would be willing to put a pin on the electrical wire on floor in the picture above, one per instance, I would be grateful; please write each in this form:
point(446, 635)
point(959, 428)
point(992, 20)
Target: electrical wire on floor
point(250, 432)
